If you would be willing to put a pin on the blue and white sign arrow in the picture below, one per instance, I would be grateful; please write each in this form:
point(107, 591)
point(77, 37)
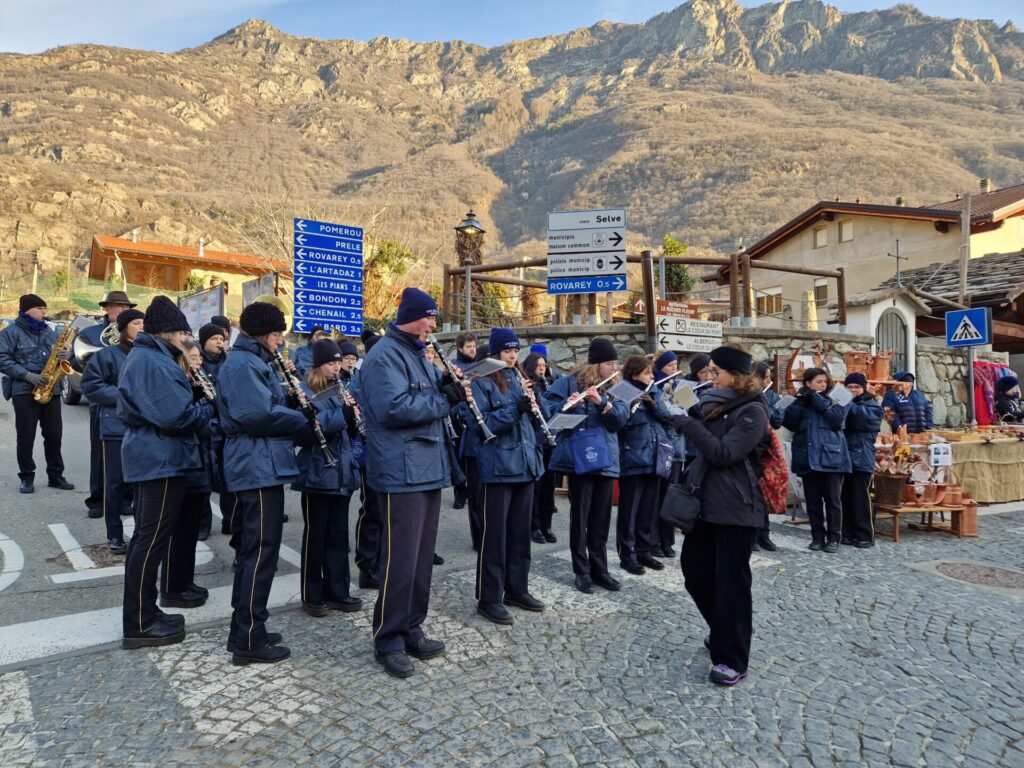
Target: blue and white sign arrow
point(301, 325)
point(338, 314)
point(344, 231)
point(322, 242)
point(328, 284)
point(306, 260)
point(323, 299)
point(604, 284)
point(328, 269)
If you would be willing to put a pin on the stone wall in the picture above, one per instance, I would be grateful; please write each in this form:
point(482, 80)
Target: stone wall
point(942, 378)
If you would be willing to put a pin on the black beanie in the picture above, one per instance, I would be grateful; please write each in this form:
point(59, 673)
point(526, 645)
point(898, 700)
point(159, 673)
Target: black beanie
point(127, 316)
point(601, 351)
point(856, 378)
point(30, 301)
point(370, 341)
point(699, 363)
point(222, 321)
point(348, 348)
point(415, 305)
point(208, 330)
point(163, 317)
point(1006, 383)
point(261, 318)
point(325, 351)
point(733, 360)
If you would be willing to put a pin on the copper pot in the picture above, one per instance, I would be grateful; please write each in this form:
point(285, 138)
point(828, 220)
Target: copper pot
point(910, 494)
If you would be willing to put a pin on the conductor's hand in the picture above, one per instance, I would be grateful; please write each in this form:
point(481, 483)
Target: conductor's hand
point(455, 393)
point(36, 379)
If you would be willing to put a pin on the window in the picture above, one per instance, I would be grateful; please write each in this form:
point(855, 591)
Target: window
point(821, 292)
point(769, 301)
point(845, 231)
point(891, 334)
point(820, 237)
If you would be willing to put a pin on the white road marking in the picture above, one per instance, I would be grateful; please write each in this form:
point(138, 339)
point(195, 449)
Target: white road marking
point(18, 746)
point(14, 562)
point(69, 544)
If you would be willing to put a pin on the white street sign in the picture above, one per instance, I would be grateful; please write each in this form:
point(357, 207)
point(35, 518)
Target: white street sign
point(688, 343)
point(688, 326)
point(586, 245)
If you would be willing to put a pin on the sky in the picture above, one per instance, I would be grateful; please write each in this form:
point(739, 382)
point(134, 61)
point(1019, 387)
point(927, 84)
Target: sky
point(170, 25)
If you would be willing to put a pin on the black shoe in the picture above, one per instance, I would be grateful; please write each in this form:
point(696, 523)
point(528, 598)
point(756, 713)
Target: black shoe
point(816, 545)
point(755, 547)
point(538, 537)
point(117, 546)
point(657, 552)
point(549, 536)
point(315, 609)
point(204, 534)
point(273, 638)
point(187, 599)
point(345, 604)
point(459, 504)
point(127, 511)
point(864, 544)
point(396, 663)
point(494, 612)
point(831, 548)
point(438, 560)
point(267, 654)
point(635, 568)
point(156, 634)
point(368, 580)
point(225, 529)
point(766, 544)
point(27, 486)
point(93, 513)
point(170, 618)
point(847, 541)
point(649, 562)
point(525, 601)
point(61, 483)
point(606, 581)
point(585, 584)
point(669, 551)
point(425, 648)
point(199, 590)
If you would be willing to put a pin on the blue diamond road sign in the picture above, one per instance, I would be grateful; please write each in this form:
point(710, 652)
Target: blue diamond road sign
point(328, 268)
point(586, 284)
point(969, 327)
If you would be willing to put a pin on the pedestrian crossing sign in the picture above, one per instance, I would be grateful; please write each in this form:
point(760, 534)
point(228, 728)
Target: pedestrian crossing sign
point(969, 327)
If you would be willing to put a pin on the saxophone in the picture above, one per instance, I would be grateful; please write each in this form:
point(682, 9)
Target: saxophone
point(55, 369)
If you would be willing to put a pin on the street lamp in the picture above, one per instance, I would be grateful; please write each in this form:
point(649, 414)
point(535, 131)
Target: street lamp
point(469, 240)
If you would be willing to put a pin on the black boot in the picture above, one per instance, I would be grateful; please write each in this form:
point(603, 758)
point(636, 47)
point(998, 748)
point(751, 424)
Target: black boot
point(156, 634)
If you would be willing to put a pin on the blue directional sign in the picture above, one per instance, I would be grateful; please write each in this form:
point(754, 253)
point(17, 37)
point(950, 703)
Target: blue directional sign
point(328, 276)
point(969, 327)
point(600, 284)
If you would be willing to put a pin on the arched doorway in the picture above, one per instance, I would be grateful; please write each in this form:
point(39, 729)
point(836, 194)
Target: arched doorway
point(891, 333)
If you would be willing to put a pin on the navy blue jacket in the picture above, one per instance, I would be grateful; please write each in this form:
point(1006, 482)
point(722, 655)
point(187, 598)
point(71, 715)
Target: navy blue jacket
point(771, 397)
point(155, 402)
point(638, 440)
point(24, 351)
point(612, 421)
point(914, 410)
point(514, 456)
point(818, 441)
point(314, 475)
point(304, 359)
point(99, 384)
point(403, 408)
point(212, 364)
point(862, 423)
point(258, 426)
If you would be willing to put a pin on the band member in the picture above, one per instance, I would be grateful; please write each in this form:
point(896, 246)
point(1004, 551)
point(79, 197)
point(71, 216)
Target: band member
point(509, 466)
point(211, 349)
point(259, 459)
point(99, 384)
point(535, 367)
point(25, 347)
point(663, 535)
point(550, 374)
point(368, 519)
point(590, 492)
point(326, 491)
point(404, 404)
point(113, 305)
point(465, 355)
point(160, 450)
point(468, 445)
point(304, 356)
point(638, 478)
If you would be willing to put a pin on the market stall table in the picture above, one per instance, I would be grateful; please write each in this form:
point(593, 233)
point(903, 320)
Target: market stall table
point(927, 512)
point(990, 472)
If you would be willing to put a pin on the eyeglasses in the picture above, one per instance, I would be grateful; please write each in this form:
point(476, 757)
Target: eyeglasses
point(712, 372)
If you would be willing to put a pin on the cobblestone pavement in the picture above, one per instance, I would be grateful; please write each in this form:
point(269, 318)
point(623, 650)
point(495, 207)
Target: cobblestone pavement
point(858, 660)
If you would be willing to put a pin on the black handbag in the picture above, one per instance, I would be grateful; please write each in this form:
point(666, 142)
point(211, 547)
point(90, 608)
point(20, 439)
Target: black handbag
point(681, 506)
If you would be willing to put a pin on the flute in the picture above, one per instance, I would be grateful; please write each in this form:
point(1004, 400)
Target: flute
point(575, 398)
point(459, 377)
point(541, 421)
point(292, 382)
point(651, 386)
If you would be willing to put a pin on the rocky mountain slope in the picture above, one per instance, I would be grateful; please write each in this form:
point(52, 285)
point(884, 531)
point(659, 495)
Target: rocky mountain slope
point(710, 121)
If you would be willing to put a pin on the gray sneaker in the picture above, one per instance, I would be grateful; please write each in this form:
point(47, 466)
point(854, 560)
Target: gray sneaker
point(725, 675)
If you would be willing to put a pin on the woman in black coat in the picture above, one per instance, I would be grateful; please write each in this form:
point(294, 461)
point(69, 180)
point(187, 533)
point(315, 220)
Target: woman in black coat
point(730, 430)
point(1008, 400)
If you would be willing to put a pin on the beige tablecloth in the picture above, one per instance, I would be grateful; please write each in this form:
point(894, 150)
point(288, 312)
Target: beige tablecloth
point(991, 473)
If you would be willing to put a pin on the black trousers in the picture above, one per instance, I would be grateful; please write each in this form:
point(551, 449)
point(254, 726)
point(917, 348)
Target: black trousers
point(590, 516)
point(858, 517)
point(325, 572)
point(408, 535)
point(368, 527)
point(716, 570)
point(824, 492)
point(503, 563)
point(638, 505)
point(157, 504)
point(475, 502)
point(116, 491)
point(259, 519)
point(544, 496)
point(28, 414)
point(179, 569)
point(662, 533)
point(95, 498)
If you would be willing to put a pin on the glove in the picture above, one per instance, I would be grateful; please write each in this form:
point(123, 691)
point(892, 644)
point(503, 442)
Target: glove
point(679, 421)
point(648, 401)
point(36, 379)
point(64, 354)
point(454, 392)
point(524, 405)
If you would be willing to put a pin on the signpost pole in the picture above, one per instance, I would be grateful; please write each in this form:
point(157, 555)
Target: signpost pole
point(647, 267)
point(468, 292)
point(661, 276)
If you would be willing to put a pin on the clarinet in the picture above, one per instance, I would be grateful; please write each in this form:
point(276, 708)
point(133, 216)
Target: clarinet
point(450, 369)
point(306, 407)
point(346, 396)
point(202, 382)
point(537, 415)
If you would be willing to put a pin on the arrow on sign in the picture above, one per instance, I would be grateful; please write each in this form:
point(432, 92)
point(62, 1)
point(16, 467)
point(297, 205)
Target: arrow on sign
point(300, 239)
point(619, 283)
point(615, 239)
point(300, 224)
point(663, 325)
point(617, 263)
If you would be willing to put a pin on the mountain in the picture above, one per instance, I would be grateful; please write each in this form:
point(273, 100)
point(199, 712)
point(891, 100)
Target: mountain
point(711, 121)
